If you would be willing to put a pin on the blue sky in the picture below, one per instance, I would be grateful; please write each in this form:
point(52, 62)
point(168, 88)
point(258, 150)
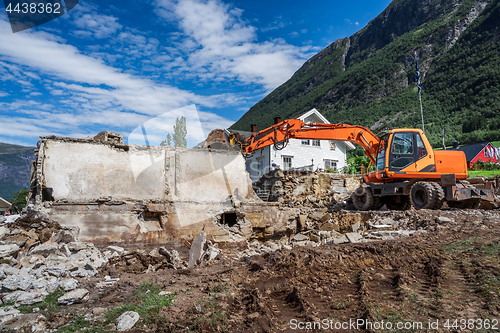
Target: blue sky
point(115, 65)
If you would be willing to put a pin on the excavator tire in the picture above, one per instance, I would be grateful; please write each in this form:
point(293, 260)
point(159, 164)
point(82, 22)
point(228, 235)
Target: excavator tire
point(439, 192)
point(392, 202)
point(423, 195)
point(363, 198)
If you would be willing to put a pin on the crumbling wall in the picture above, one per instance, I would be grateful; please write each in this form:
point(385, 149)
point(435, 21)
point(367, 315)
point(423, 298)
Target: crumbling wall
point(128, 193)
point(88, 171)
point(306, 188)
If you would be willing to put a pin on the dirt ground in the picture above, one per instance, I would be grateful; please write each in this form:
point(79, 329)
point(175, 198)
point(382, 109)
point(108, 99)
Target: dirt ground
point(451, 272)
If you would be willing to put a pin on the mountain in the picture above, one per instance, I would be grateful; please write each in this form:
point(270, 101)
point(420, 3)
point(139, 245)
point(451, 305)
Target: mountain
point(15, 168)
point(369, 78)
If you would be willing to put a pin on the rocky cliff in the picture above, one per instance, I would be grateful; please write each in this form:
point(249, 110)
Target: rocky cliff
point(15, 166)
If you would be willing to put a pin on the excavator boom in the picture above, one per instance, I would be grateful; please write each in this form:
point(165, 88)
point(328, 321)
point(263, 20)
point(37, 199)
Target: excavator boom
point(297, 129)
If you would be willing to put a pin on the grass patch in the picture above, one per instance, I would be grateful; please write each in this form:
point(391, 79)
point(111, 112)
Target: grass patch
point(393, 317)
point(8, 303)
point(146, 301)
point(460, 246)
point(47, 307)
point(80, 324)
point(491, 249)
point(484, 173)
point(490, 284)
point(211, 319)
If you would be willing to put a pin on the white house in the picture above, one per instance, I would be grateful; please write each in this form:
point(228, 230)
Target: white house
point(298, 154)
point(4, 206)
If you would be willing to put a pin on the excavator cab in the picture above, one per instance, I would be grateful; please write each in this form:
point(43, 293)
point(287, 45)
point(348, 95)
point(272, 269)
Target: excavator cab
point(401, 152)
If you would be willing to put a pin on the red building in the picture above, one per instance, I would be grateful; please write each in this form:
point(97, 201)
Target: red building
point(483, 151)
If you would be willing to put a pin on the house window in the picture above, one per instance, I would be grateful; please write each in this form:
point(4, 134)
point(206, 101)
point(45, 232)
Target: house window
point(305, 142)
point(287, 162)
point(315, 143)
point(331, 164)
point(333, 145)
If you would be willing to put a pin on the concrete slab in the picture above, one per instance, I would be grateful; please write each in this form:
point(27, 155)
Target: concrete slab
point(353, 237)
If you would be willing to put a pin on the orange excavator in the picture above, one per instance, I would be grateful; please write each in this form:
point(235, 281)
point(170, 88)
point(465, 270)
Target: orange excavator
point(407, 170)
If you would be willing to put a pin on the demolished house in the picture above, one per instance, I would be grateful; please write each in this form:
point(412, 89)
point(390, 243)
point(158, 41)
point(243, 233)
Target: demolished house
point(130, 193)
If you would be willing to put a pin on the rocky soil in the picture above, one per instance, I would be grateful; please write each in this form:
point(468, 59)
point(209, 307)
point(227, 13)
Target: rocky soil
point(391, 266)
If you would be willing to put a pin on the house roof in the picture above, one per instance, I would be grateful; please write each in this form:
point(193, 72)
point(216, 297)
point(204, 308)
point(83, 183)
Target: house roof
point(471, 151)
point(4, 203)
point(304, 115)
point(315, 112)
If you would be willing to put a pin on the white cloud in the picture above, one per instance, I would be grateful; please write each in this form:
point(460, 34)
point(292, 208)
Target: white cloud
point(222, 45)
point(278, 23)
point(100, 25)
point(89, 91)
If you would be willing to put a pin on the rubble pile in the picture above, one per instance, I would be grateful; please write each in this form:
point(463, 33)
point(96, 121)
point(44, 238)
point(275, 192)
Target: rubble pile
point(320, 227)
point(39, 257)
point(139, 261)
point(306, 189)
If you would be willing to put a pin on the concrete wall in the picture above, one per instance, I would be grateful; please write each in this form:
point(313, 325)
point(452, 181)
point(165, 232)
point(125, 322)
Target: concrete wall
point(119, 193)
point(87, 171)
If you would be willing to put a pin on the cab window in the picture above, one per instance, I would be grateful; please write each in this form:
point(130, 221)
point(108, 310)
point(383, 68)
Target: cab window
point(401, 144)
point(421, 151)
point(381, 153)
point(402, 150)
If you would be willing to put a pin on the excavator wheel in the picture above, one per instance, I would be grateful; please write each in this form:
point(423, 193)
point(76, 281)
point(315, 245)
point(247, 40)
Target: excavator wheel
point(400, 202)
point(439, 192)
point(363, 198)
point(423, 195)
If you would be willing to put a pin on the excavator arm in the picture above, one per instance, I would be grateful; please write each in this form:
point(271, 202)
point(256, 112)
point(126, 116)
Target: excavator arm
point(279, 134)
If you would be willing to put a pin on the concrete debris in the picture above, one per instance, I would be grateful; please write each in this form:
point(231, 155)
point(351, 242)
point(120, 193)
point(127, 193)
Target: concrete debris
point(3, 232)
point(74, 296)
point(32, 297)
point(443, 219)
point(139, 261)
point(353, 237)
point(108, 282)
point(210, 253)
point(8, 250)
point(25, 323)
point(341, 240)
point(197, 249)
point(68, 284)
point(7, 313)
point(127, 320)
point(300, 238)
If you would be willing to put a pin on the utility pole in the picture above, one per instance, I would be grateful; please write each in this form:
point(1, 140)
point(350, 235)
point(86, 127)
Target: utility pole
point(444, 147)
point(419, 89)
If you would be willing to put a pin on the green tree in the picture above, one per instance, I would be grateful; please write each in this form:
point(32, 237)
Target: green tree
point(167, 141)
point(19, 200)
point(180, 132)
